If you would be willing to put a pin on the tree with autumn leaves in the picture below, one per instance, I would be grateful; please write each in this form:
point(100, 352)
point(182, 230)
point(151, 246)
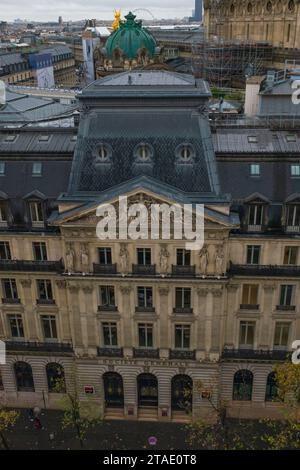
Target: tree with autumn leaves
point(8, 419)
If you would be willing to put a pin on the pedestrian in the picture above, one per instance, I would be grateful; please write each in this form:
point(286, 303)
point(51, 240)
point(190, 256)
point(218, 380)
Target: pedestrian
point(30, 414)
point(37, 423)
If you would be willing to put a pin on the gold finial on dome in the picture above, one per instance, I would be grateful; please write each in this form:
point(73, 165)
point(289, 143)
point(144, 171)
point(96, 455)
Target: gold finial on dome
point(117, 21)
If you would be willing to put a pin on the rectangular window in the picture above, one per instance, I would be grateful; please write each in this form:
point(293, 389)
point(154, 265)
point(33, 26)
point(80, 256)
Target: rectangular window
point(247, 330)
point(105, 257)
point(145, 297)
point(295, 170)
point(3, 212)
point(182, 336)
point(250, 294)
point(252, 139)
point(36, 212)
point(2, 168)
point(253, 254)
point(281, 336)
point(5, 250)
point(110, 334)
point(293, 219)
point(44, 289)
point(290, 138)
point(49, 327)
point(107, 296)
point(37, 169)
point(183, 257)
point(44, 138)
point(16, 326)
point(255, 170)
point(183, 297)
point(256, 214)
point(290, 255)
point(145, 335)
point(144, 256)
point(39, 251)
point(286, 295)
point(9, 287)
point(10, 138)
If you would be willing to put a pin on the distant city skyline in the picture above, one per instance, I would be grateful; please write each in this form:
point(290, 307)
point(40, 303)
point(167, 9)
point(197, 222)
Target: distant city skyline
point(73, 10)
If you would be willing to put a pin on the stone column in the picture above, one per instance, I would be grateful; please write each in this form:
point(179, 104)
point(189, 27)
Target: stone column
point(163, 323)
point(230, 322)
point(264, 332)
point(126, 318)
point(63, 316)
point(75, 319)
point(201, 322)
point(90, 320)
point(29, 311)
point(217, 312)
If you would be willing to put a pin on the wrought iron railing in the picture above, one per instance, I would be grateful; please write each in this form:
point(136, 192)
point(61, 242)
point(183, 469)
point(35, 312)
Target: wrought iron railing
point(110, 352)
point(188, 271)
point(264, 270)
point(105, 269)
point(38, 347)
point(259, 354)
point(144, 269)
point(146, 353)
point(31, 266)
point(182, 354)
point(184, 310)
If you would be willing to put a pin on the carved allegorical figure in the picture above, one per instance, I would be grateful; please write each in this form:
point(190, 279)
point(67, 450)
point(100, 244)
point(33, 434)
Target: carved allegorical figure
point(203, 260)
point(124, 258)
point(164, 259)
point(219, 261)
point(70, 258)
point(84, 258)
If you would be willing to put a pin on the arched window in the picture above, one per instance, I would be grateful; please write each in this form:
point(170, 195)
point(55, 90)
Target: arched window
point(147, 390)
point(182, 393)
point(24, 377)
point(56, 378)
point(249, 8)
point(185, 153)
point(271, 388)
point(242, 385)
point(269, 7)
point(143, 152)
point(291, 6)
point(113, 390)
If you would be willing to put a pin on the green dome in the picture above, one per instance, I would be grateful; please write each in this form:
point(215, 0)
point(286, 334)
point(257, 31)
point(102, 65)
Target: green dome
point(130, 38)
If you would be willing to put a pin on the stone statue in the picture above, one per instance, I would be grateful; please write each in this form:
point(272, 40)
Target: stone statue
point(70, 257)
point(124, 258)
point(203, 260)
point(164, 259)
point(219, 261)
point(84, 258)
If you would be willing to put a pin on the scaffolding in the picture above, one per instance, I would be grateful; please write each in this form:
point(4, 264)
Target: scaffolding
point(227, 64)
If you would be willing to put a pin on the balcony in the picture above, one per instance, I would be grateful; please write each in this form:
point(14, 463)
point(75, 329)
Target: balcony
point(145, 309)
point(264, 270)
point(105, 269)
point(11, 301)
point(292, 228)
point(249, 307)
point(253, 354)
point(182, 354)
point(285, 308)
point(32, 266)
point(146, 353)
point(107, 308)
point(183, 310)
point(110, 352)
point(183, 271)
point(144, 269)
point(45, 302)
point(25, 346)
point(255, 228)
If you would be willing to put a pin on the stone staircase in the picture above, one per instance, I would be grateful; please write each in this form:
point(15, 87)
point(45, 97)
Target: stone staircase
point(147, 414)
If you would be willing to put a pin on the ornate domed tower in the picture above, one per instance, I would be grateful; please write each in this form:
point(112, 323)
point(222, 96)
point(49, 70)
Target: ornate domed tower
point(130, 46)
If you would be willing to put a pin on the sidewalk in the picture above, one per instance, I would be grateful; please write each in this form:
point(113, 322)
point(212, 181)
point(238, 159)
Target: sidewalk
point(109, 435)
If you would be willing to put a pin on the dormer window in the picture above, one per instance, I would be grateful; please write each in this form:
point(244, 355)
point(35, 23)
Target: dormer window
point(290, 138)
point(3, 213)
point(293, 217)
point(37, 169)
point(102, 154)
point(44, 138)
point(295, 171)
point(256, 217)
point(10, 138)
point(185, 153)
point(252, 139)
point(255, 169)
point(143, 153)
point(2, 168)
point(36, 213)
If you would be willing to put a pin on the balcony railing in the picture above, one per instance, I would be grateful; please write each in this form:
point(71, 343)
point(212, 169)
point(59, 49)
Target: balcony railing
point(292, 228)
point(185, 271)
point(286, 308)
point(249, 307)
point(184, 310)
point(110, 352)
point(105, 269)
point(145, 309)
point(146, 353)
point(45, 302)
point(38, 347)
point(182, 354)
point(271, 355)
point(11, 301)
point(107, 308)
point(144, 269)
point(264, 270)
point(31, 266)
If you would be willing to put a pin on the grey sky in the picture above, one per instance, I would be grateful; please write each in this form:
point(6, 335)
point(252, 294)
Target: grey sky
point(78, 9)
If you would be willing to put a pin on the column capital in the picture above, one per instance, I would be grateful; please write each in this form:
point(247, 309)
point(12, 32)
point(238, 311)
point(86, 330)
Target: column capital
point(61, 283)
point(25, 282)
point(164, 290)
point(126, 289)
